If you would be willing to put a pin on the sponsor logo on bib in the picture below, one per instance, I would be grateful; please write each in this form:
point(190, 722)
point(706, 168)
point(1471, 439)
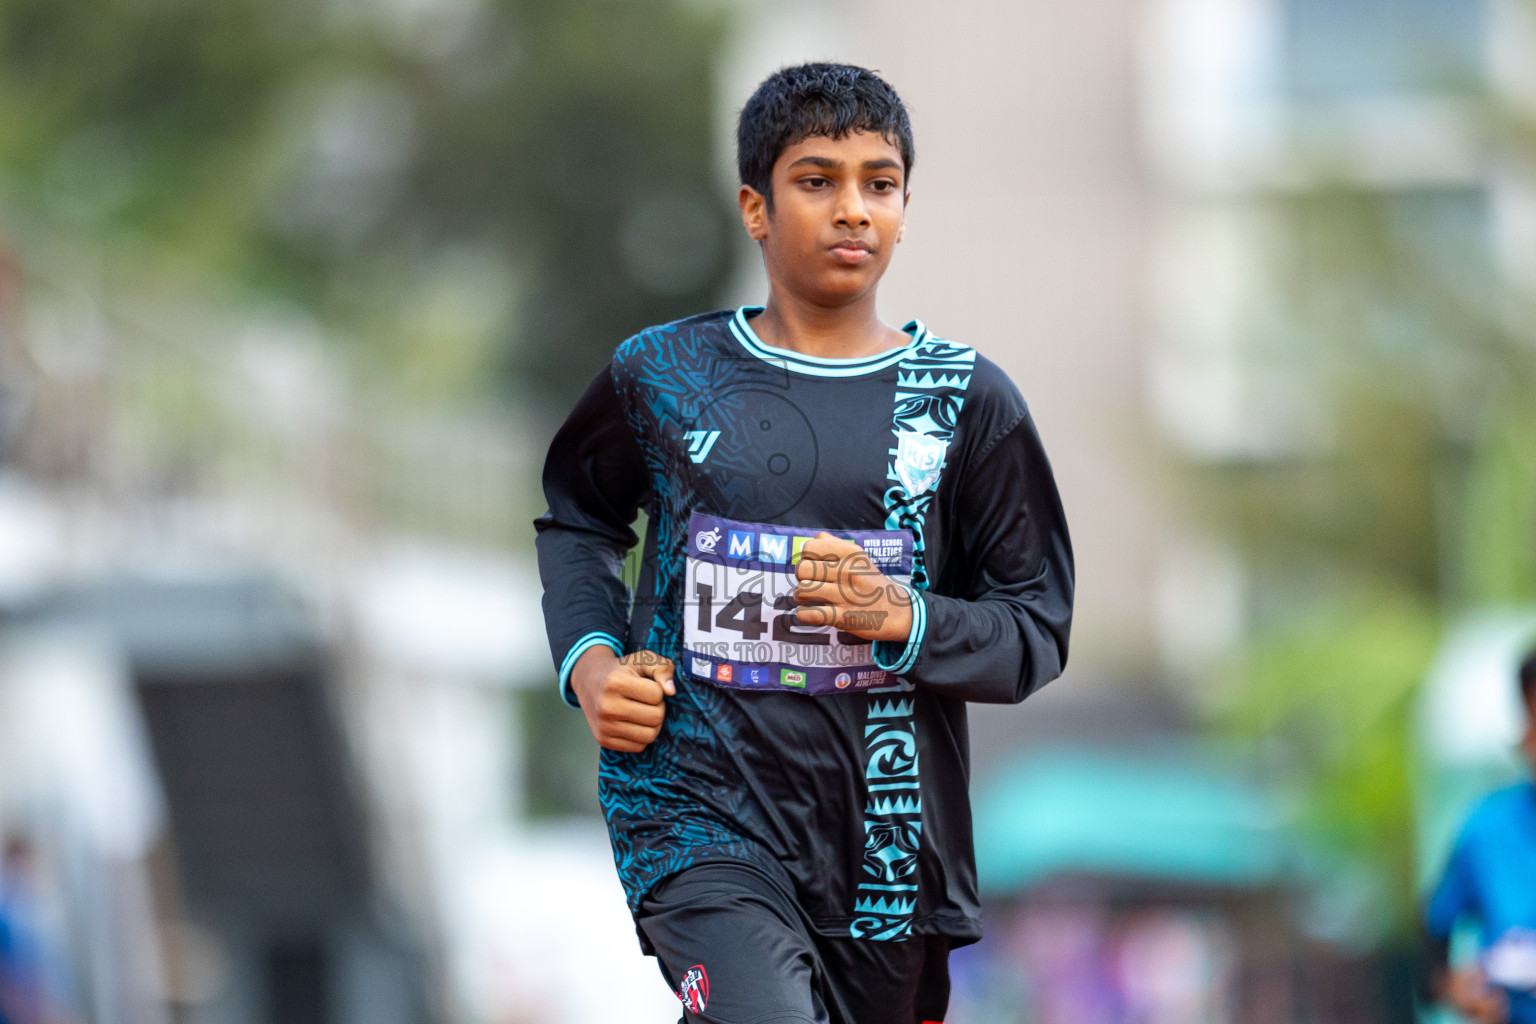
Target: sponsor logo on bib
point(773, 548)
point(792, 677)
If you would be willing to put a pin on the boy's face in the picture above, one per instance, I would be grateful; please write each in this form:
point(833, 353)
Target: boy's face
point(839, 208)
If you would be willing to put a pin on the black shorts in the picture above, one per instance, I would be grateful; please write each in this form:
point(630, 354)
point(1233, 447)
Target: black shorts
point(737, 949)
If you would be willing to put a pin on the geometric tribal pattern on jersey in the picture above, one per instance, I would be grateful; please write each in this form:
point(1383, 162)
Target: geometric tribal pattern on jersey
point(931, 385)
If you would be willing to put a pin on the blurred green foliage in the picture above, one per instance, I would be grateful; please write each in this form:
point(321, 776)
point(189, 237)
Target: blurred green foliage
point(484, 197)
point(1413, 500)
point(1499, 541)
point(1328, 696)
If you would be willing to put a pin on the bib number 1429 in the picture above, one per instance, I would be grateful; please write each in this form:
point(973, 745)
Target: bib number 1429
point(743, 614)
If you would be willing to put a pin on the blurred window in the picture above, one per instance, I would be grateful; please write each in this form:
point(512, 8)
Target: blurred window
point(1351, 49)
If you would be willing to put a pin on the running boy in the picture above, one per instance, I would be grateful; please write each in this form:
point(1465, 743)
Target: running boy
point(1491, 878)
point(853, 531)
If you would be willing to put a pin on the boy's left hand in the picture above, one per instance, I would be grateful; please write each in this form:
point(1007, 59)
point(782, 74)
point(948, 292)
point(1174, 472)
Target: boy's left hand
point(839, 586)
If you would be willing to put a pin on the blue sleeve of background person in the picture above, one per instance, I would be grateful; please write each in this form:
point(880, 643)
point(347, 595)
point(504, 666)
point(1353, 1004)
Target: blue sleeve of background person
point(1005, 635)
point(7, 961)
point(595, 482)
point(1456, 895)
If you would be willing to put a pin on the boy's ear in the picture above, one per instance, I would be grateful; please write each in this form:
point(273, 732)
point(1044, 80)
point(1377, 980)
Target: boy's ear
point(754, 212)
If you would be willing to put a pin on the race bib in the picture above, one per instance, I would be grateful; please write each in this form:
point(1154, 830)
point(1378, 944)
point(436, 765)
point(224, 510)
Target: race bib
point(739, 628)
point(1511, 962)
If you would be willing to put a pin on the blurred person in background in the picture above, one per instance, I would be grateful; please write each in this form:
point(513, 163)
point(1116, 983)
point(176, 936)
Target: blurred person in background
point(1491, 879)
point(27, 990)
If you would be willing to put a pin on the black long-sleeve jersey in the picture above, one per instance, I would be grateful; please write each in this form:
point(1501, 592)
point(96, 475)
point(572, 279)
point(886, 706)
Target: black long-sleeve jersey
point(846, 762)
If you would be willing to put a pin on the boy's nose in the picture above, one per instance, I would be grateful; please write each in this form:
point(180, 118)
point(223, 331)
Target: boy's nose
point(850, 208)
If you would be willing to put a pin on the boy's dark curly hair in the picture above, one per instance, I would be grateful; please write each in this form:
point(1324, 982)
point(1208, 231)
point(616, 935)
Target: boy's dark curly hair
point(796, 103)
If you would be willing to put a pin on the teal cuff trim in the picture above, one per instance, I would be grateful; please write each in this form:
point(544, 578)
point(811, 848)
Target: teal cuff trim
point(900, 659)
point(579, 648)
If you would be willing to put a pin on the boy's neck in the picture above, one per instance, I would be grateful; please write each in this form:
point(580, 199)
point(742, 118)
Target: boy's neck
point(826, 332)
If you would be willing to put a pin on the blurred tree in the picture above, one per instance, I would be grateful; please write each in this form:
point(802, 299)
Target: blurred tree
point(479, 191)
point(596, 141)
point(1414, 499)
point(469, 200)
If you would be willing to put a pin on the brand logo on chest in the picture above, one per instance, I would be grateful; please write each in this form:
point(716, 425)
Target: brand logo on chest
point(700, 442)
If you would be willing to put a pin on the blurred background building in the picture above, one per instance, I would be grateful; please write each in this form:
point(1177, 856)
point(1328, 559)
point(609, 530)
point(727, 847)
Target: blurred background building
point(293, 294)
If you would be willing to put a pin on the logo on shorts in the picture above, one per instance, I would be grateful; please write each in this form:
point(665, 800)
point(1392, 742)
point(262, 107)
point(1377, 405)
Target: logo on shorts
point(725, 673)
point(694, 991)
point(790, 677)
point(843, 680)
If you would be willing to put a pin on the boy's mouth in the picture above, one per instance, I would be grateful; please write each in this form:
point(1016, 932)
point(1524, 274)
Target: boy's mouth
point(852, 251)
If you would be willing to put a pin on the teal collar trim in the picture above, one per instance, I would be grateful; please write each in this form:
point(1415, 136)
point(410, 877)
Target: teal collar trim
point(821, 366)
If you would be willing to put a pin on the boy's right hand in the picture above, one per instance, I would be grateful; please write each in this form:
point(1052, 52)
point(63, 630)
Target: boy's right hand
point(623, 697)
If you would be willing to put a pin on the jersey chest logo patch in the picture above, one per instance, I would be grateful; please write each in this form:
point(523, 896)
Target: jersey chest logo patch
point(694, 991)
point(919, 460)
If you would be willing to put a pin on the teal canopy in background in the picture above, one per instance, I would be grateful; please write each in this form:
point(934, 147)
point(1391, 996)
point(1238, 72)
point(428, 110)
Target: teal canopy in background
point(1170, 817)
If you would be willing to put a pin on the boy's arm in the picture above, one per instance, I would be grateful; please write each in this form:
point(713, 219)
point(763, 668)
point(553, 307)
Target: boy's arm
point(1454, 897)
point(1464, 989)
point(595, 481)
point(1007, 636)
